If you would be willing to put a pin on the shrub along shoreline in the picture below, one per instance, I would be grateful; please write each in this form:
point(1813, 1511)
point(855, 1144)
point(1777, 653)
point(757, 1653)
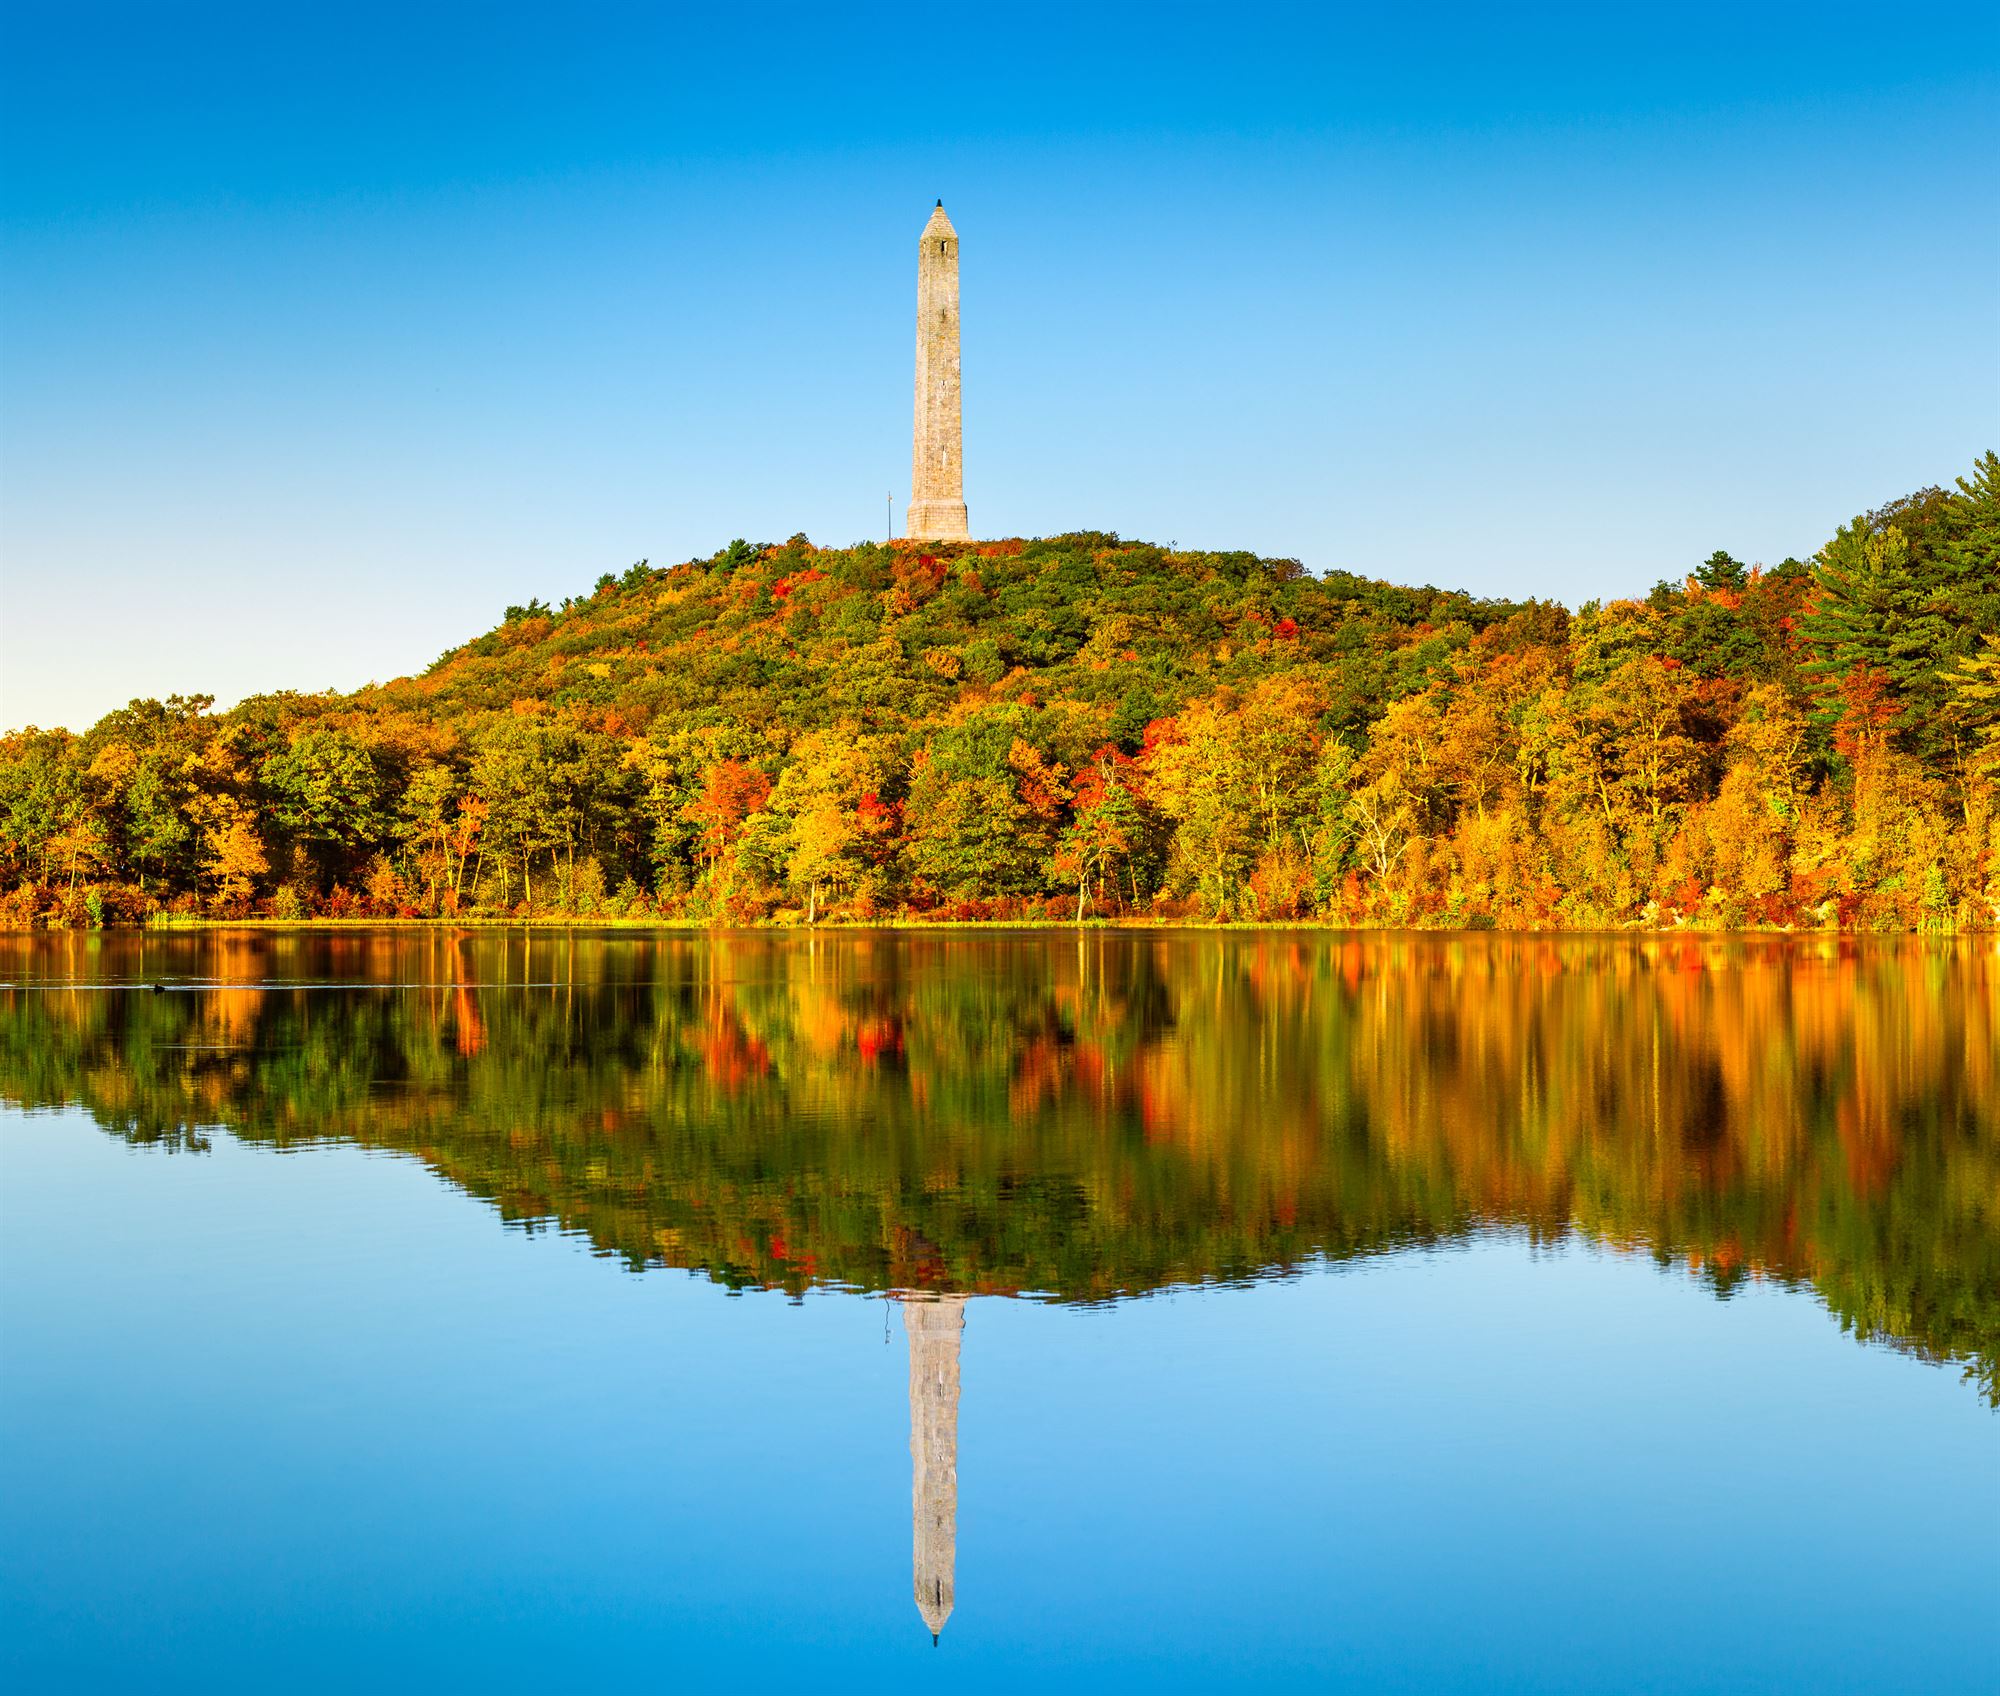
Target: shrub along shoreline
point(1139, 923)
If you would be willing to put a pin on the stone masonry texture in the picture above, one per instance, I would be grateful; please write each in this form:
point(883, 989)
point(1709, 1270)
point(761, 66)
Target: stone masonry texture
point(937, 474)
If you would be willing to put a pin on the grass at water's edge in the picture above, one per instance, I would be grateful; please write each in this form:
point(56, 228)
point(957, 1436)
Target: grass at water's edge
point(699, 927)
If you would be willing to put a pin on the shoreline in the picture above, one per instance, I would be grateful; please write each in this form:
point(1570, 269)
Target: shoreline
point(694, 927)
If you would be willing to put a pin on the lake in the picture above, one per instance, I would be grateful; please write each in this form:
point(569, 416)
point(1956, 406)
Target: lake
point(407, 1309)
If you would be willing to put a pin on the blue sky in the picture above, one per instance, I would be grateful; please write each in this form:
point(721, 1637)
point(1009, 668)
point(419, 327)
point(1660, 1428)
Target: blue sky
point(326, 332)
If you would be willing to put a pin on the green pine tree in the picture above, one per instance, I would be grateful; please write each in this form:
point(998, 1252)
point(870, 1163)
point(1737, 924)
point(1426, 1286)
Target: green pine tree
point(1907, 592)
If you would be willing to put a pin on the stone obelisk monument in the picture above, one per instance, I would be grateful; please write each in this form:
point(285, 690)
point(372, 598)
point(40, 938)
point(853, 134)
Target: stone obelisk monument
point(934, 1326)
point(937, 476)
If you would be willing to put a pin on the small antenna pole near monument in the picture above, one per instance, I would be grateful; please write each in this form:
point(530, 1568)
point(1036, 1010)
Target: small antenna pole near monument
point(889, 516)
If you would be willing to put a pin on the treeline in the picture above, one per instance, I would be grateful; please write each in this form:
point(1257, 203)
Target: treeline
point(881, 1110)
point(1079, 727)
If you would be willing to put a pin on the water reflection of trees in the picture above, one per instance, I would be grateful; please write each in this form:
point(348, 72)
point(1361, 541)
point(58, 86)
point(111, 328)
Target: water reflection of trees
point(1086, 1119)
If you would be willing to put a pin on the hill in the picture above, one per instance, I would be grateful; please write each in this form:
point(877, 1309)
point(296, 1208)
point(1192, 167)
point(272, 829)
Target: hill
point(1081, 725)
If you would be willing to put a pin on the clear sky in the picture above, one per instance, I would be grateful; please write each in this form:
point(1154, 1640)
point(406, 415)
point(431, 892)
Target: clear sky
point(328, 331)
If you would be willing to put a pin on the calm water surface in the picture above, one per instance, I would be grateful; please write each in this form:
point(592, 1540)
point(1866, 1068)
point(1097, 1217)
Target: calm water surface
point(403, 1310)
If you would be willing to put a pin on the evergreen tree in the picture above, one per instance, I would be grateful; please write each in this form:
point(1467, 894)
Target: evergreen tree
point(1906, 592)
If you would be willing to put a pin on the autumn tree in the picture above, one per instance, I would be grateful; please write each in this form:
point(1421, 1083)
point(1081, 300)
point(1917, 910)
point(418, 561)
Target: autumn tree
point(322, 792)
point(1110, 827)
point(1199, 777)
point(1975, 680)
point(984, 807)
point(235, 859)
point(828, 804)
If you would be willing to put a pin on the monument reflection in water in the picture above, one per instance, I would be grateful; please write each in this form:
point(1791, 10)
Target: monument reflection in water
point(935, 1325)
point(1086, 1118)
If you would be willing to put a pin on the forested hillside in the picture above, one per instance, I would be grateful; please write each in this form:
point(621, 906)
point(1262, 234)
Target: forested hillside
point(1081, 726)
